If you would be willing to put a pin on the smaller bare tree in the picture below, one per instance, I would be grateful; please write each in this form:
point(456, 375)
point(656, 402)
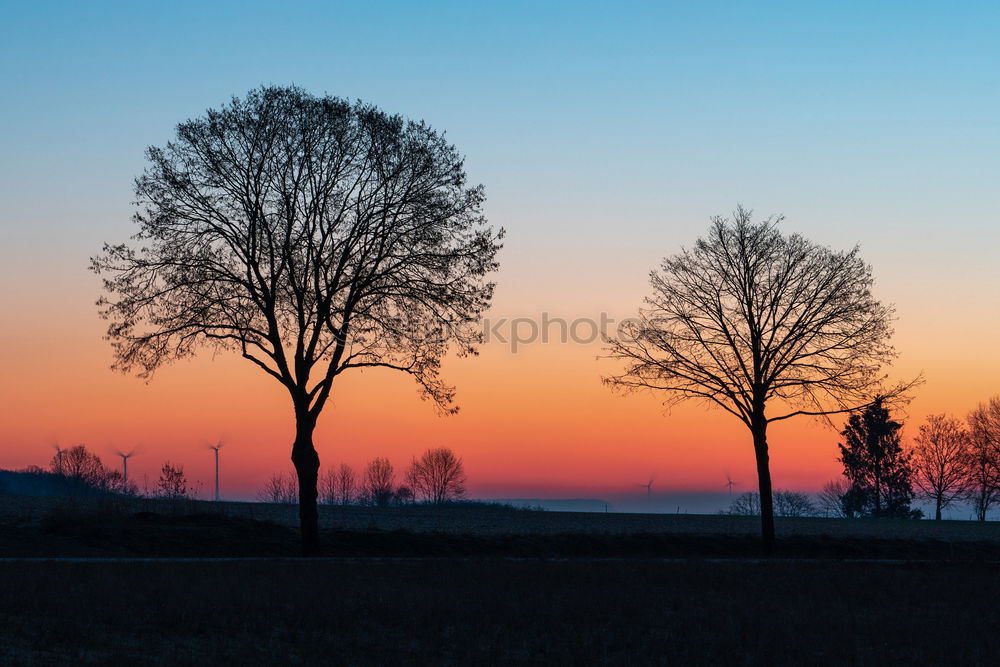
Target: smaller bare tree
point(786, 503)
point(328, 487)
point(745, 504)
point(172, 483)
point(339, 485)
point(281, 488)
point(437, 476)
point(347, 485)
point(831, 498)
point(940, 461)
point(983, 474)
point(378, 482)
point(793, 503)
point(404, 495)
point(80, 464)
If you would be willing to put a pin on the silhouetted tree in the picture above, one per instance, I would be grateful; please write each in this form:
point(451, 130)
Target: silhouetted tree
point(983, 474)
point(831, 498)
point(339, 485)
point(745, 504)
point(878, 469)
point(80, 464)
point(793, 503)
point(786, 503)
point(172, 483)
point(940, 461)
point(280, 488)
point(328, 487)
point(115, 483)
point(764, 325)
point(404, 495)
point(347, 484)
point(437, 476)
point(312, 236)
point(378, 482)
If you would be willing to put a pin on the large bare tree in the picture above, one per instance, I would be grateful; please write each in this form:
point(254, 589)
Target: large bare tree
point(312, 236)
point(764, 325)
point(941, 461)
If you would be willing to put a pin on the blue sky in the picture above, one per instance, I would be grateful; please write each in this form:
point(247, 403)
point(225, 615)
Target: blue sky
point(571, 113)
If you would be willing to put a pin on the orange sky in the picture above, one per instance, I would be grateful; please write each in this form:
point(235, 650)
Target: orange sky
point(535, 423)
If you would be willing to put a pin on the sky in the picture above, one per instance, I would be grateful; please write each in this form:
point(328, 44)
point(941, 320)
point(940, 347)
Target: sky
point(606, 135)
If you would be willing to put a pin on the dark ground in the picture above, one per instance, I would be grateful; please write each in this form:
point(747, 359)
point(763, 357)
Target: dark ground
point(475, 585)
point(195, 530)
point(498, 611)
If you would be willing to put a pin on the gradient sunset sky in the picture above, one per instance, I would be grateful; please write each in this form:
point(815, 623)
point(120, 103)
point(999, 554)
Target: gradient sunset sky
point(606, 135)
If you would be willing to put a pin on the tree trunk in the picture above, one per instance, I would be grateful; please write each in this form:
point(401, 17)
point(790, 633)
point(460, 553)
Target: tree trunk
point(937, 510)
point(759, 429)
point(306, 462)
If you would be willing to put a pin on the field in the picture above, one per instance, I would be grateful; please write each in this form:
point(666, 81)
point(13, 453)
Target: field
point(483, 585)
point(33, 526)
point(498, 611)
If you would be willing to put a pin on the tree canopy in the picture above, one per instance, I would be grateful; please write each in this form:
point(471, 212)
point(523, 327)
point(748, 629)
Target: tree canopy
point(765, 325)
point(312, 236)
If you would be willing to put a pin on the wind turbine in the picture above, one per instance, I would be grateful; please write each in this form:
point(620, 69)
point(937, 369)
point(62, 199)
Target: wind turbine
point(730, 483)
point(59, 456)
point(649, 487)
point(125, 458)
point(215, 448)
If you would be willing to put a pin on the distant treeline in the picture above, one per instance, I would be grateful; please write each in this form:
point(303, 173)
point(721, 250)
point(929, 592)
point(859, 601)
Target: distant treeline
point(76, 471)
point(438, 476)
point(949, 461)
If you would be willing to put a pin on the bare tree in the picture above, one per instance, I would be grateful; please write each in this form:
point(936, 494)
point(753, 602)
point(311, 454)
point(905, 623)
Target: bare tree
point(786, 503)
point(172, 483)
point(793, 503)
point(311, 236)
point(940, 460)
point(339, 485)
point(281, 488)
point(79, 463)
point(745, 504)
point(404, 495)
point(437, 476)
point(831, 498)
point(327, 492)
point(347, 485)
point(764, 325)
point(378, 483)
point(983, 475)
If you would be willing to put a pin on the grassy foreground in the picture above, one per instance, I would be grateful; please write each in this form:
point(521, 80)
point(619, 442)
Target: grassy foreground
point(498, 611)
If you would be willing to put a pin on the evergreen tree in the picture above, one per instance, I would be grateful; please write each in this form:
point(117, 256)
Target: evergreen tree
point(878, 469)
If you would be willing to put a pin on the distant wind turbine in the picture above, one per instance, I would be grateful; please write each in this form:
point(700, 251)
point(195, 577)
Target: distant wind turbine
point(125, 458)
point(730, 483)
point(649, 487)
point(215, 448)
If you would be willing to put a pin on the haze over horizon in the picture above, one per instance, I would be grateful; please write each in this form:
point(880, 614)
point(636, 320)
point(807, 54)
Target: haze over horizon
point(606, 138)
